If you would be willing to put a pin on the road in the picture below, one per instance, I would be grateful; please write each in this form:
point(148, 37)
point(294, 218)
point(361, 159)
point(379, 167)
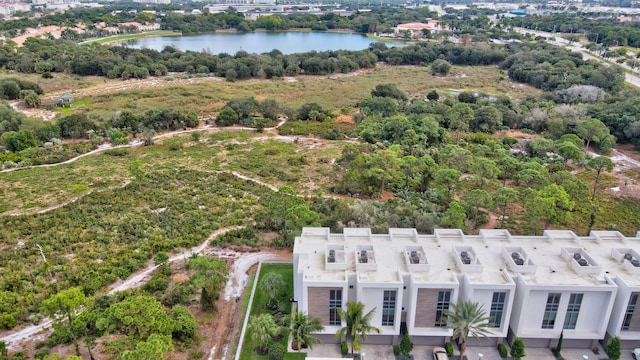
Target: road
point(586, 55)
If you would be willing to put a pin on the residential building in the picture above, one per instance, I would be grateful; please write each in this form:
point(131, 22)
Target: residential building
point(416, 29)
point(533, 287)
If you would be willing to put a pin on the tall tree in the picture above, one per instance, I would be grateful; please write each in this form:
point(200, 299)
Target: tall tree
point(460, 118)
point(138, 317)
point(454, 216)
point(467, 319)
point(210, 275)
point(447, 178)
point(65, 306)
point(592, 130)
point(502, 199)
point(484, 169)
point(599, 164)
point(302, 326)
point(475, 199)
point(508, 168)
point(549, 205)
point(358, 324)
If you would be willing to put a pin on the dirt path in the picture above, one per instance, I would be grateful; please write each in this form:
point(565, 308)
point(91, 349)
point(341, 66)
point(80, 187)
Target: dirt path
point(229, 320)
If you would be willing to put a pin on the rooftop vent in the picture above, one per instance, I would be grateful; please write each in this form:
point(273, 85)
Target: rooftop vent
point(629, 259)
point(364, 258)
point(332, 256)
point(517, 260)
point(413, 257)
point(583, 262)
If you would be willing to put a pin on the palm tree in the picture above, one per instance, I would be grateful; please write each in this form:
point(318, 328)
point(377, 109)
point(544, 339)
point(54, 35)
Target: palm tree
point(262, 328)
point(272, 284)
point(358, 324)
point(467, 318)
point(302, 325)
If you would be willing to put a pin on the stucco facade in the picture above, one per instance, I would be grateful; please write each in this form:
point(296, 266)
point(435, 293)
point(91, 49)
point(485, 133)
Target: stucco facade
point(533, 287)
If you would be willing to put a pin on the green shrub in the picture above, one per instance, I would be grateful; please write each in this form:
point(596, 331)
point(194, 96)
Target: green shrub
point(344, 348)
point(517, 349)
point(174, 145)
point(613, 348)
point(502, 349)
point(47, 75)
point(396, 350)
point(117, 152)
point(449, 348)
point(8, 322)
point(405, 346)
point(276, 352)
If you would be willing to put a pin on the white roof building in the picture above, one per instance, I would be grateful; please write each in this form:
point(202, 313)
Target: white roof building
point(533, 287)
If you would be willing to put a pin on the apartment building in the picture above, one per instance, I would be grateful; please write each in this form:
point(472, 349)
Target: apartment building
point(533, 287)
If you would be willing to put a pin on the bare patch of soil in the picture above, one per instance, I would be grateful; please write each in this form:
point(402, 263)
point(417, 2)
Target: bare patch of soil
point(344, 119)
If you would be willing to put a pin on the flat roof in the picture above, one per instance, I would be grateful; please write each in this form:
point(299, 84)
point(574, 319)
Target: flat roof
point(484, 258)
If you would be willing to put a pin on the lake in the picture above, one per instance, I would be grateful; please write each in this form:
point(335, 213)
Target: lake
point(258, 42)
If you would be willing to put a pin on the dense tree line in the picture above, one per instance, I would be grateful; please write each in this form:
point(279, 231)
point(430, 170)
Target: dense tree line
point(50, 56)
point(550, 67)
point(381, 19)
point(412, 154)
point(607, 31)
point(38, 142)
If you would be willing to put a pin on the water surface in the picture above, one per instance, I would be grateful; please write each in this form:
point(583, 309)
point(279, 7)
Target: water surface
point(258, 42)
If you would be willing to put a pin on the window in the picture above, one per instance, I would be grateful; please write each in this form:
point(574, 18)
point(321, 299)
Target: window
point(573, 309)
point(497, 308)
point(335, 303)
point(389, 308)
point(444, 298)
point(550, 311)
point(631, 308)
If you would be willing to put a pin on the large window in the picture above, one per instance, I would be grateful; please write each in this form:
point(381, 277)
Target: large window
point(573, 309)
point(551, 311)
point(335, 303)
point(389, 308)
point(631, 308)
point(444, 299)
point(497, 309)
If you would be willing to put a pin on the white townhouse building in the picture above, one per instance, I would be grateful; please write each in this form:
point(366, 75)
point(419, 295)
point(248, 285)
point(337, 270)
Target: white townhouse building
point(533, 287)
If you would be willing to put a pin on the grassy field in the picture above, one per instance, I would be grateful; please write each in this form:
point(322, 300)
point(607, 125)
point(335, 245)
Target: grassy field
point(258, 307)
point(208, 95)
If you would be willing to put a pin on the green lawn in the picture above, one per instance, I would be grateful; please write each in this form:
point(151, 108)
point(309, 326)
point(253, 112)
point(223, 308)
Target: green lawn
point(258, 307)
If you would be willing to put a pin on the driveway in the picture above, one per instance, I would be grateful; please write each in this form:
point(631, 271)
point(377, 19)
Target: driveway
point(385, 352)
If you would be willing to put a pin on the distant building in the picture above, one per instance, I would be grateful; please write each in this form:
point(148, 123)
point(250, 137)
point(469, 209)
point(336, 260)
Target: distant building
point(416, 29)
point(11, 8)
